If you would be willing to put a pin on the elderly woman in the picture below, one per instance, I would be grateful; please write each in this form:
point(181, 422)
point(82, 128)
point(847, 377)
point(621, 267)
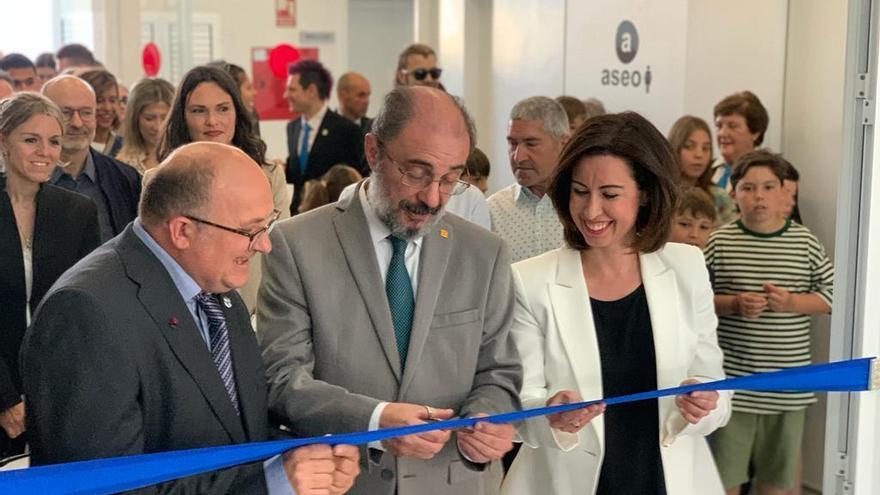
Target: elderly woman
point(616, 311)
point(208, 107)
point(740, 123)
point(44, 230)
point(144, 123)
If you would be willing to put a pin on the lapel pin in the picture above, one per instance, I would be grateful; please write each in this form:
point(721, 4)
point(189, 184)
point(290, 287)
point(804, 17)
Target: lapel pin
point(227, 302)
point(444, 233)
point(324, 132)
point(172, 322)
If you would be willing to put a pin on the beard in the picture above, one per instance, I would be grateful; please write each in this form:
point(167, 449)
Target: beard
point(74, 142)
point(389, 213)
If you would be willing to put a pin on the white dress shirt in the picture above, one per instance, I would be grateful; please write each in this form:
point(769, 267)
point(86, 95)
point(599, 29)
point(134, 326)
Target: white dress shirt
point(528, 223)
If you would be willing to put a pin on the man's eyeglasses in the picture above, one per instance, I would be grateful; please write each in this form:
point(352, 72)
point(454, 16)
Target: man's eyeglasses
point(420, 74)
point(419, 178)
point(252, 236)
point(85, 113)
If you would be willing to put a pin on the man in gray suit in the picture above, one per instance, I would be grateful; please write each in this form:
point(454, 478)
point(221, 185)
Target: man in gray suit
point(380, 311)
point(144, 346)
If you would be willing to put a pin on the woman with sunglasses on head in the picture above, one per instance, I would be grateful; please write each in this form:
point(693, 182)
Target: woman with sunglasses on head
point(106, 118)
point(144, 123)
point(208, 107)
point(44, 230)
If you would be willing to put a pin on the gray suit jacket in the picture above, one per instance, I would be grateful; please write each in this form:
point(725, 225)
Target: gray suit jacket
point(114, 365)
point(328, 340)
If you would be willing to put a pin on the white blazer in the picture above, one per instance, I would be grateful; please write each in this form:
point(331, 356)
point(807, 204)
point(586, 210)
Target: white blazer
point(554, 333)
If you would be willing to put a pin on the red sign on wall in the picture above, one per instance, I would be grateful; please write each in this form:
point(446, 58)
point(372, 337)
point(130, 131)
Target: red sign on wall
point(269, 69)
point(151, 59)
point(285, 13)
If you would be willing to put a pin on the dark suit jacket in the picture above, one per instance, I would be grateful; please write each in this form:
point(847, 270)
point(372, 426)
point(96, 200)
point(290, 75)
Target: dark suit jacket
point(114, 365)
point(65, 230)
point(366, 124)
point(338, 140)
point(121, 185)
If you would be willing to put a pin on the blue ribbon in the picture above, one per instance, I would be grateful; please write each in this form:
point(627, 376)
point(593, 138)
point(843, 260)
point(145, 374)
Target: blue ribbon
point(137, 471)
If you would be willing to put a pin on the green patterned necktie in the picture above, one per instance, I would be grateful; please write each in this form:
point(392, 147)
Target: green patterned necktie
point(398, 288)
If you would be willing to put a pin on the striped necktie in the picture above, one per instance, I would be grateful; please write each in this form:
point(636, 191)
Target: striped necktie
point(219, 336)
point(398, 288)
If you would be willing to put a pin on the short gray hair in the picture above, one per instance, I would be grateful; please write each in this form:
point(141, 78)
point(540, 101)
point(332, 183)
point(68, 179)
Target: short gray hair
point(176, 191)
point(543, 109)
point(398, 108)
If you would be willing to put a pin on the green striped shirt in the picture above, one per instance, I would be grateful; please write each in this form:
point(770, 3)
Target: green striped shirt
point(743, 261)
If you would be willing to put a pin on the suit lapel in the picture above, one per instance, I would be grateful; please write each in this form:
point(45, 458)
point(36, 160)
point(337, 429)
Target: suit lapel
point(110, 194)
point(570, 301)
point(322, 134)
point(357, 245)
point(433, 260)
point(160, 298)
point(661, 290)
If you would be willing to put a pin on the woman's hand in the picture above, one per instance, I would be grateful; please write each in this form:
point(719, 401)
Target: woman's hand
point(696, 405)
point(12, 420)
point(572, 421)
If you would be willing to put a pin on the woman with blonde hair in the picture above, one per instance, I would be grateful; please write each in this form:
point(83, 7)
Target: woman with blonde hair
point(44, 230)
point(148, 106)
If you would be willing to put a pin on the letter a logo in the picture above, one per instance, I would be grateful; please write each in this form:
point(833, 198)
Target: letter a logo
point(626, 42)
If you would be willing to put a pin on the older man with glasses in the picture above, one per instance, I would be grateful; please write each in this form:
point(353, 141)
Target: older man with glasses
point(148, 339)
point(114, 186)
point(383, 311)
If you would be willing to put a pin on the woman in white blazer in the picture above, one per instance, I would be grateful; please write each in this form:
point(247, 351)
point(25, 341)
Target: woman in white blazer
point(618, 310)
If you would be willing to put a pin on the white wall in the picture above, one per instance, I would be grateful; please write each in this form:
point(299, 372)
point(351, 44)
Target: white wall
point(697, 50)
point(812, 139)
point(527, 46)
point(732, 46)
point(653, 82)
point(378, 31)
point(28, 38)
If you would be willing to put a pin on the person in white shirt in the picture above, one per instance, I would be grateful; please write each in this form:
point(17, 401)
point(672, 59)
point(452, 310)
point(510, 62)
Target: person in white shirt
point(522, 214)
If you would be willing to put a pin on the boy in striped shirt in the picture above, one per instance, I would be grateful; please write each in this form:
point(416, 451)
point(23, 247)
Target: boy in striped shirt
point(771, 274)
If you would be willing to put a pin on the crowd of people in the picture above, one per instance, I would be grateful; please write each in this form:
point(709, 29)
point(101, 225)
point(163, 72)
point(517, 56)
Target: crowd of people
point(163, 289)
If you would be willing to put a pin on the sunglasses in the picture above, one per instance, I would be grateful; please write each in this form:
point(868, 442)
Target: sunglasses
point(420, 74)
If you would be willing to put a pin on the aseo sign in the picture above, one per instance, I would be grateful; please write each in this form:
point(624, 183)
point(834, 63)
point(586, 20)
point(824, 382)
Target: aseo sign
point(626, 44)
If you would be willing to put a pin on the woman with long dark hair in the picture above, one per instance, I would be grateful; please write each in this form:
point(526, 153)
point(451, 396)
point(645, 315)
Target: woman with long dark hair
point(208, 107)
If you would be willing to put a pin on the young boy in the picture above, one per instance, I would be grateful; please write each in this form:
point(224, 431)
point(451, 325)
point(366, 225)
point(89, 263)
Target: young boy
point(771, 274)
point(694, 217)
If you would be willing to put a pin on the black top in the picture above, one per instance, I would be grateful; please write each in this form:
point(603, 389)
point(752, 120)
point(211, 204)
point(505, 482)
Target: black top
point(65, 230)
point(632, 461)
